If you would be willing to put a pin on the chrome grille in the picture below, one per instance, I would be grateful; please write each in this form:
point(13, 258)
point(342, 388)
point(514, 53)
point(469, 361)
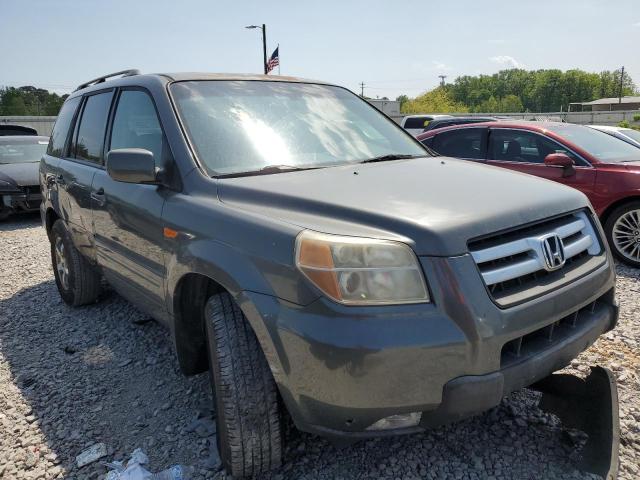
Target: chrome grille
point(513, 262)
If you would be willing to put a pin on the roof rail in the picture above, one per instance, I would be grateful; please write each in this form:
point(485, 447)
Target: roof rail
point(124, 73)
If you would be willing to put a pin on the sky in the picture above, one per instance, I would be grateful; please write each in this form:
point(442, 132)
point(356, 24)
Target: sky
point(394, 47)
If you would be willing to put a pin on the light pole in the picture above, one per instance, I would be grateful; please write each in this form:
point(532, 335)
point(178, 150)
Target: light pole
point(264, 43)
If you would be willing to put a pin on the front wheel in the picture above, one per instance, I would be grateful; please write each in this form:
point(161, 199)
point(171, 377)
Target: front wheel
point(248, 413)
point(77, 281)
point(623, 232)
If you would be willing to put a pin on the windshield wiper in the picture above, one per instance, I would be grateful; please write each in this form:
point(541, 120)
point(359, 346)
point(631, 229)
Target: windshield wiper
point(391, 156)
point(269, 169)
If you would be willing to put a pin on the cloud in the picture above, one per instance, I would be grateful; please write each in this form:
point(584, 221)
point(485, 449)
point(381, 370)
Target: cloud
point(440, 67)
point(435, 66)
point(496, 41)
point(432, 68)
point(637, 24)
point(507, 61)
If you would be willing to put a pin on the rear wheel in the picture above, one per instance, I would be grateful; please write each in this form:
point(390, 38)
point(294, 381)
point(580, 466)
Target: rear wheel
point(77, 281)
point(248, 414)
point(623, 232)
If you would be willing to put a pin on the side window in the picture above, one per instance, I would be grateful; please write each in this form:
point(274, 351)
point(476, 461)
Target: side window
point(463, 143)
point(91, 130)
point(136, 125)
point(61, 128)
point(428, 142)
point(417, 122)
point(521, 146)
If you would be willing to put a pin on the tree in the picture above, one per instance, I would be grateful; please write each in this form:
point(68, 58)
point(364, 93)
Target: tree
point(402, 99)
point(490, 105)
point(537, 90)
point(511, 104)
point(434, 101)
point(29, 100)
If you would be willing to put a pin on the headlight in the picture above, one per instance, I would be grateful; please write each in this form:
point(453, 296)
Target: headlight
point(361, 271)
point(8, 186)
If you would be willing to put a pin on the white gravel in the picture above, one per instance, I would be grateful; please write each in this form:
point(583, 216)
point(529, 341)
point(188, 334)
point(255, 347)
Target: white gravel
point(71, 378)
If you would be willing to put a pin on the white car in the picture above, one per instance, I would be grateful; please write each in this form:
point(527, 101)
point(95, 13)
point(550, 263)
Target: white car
point(628, 135)
point(415, 124)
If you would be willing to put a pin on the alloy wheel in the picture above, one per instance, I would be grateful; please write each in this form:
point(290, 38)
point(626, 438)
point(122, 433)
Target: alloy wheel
point(626, 235)
point(62, 265)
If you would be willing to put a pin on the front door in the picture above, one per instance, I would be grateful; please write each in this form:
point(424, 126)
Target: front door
point(127, 219)
point(525, 151)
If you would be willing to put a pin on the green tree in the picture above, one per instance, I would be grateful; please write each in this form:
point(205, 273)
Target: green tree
point(437, 100)
point(29, 100)
point(537, 90)
point(402, 99)
point(510, 104)
point(489, 105)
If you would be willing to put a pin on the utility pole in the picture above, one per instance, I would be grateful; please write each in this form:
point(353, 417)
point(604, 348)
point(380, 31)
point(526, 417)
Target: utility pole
point(362, 89)
point(621, 79)
point(442, 77)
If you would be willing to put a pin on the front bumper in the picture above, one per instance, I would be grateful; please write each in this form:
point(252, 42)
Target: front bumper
point(341, 369)
point(26, 201)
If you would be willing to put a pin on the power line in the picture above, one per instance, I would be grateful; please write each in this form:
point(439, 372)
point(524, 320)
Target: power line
point(362, 89)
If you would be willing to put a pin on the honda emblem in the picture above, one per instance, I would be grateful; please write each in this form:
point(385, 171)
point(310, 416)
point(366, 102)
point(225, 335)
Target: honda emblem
point(553, 251)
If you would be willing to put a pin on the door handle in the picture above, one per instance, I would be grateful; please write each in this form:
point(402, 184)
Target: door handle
point(50, 179)
point(99, 197)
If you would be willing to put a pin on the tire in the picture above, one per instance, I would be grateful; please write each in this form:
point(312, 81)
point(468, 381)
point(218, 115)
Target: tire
point(622, 228)
point(248, 412)
point(77, 280)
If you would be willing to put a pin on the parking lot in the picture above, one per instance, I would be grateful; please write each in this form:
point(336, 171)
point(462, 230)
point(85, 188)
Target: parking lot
point(70, 378)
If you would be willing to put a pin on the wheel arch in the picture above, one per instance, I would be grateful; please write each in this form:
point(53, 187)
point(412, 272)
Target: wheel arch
point(618, 203)
point(50, 218)
point(197, 270)
point(189, 298)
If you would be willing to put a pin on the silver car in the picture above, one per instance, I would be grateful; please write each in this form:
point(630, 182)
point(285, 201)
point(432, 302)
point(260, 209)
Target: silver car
point(628, 135)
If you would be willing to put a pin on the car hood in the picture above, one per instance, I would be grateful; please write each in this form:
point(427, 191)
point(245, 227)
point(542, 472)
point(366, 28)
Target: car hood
point(434, 204)
point(22, 174)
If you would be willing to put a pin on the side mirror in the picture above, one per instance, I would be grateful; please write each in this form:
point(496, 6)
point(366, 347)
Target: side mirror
point(132, 165)
point(561, 160)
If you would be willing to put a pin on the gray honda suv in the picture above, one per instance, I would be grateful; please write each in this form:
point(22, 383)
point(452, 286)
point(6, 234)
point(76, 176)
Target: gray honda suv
point(315, 257)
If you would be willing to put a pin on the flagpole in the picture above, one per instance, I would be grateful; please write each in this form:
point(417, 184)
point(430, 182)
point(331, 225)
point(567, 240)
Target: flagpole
point(278, 47)
point(264, 47)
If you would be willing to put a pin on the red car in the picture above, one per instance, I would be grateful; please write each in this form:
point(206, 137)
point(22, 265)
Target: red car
point(604, 168)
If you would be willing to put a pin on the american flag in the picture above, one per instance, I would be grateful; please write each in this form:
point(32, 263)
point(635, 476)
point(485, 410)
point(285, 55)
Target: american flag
point(274, 60)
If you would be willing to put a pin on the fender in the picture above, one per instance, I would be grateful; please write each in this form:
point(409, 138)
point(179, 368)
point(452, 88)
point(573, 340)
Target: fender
point(246, 278)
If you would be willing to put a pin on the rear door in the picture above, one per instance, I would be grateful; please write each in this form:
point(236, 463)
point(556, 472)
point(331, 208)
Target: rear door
point(127, 217)
point(82, 159)
point(58, 144)
point(525, 151)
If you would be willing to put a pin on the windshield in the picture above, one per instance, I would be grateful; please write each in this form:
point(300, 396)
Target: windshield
point(22, 150)
point(603, 146)
point(244, 126)
point(632, 134)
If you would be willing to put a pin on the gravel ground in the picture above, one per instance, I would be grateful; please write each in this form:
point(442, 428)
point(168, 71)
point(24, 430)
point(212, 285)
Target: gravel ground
point(71, 378)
